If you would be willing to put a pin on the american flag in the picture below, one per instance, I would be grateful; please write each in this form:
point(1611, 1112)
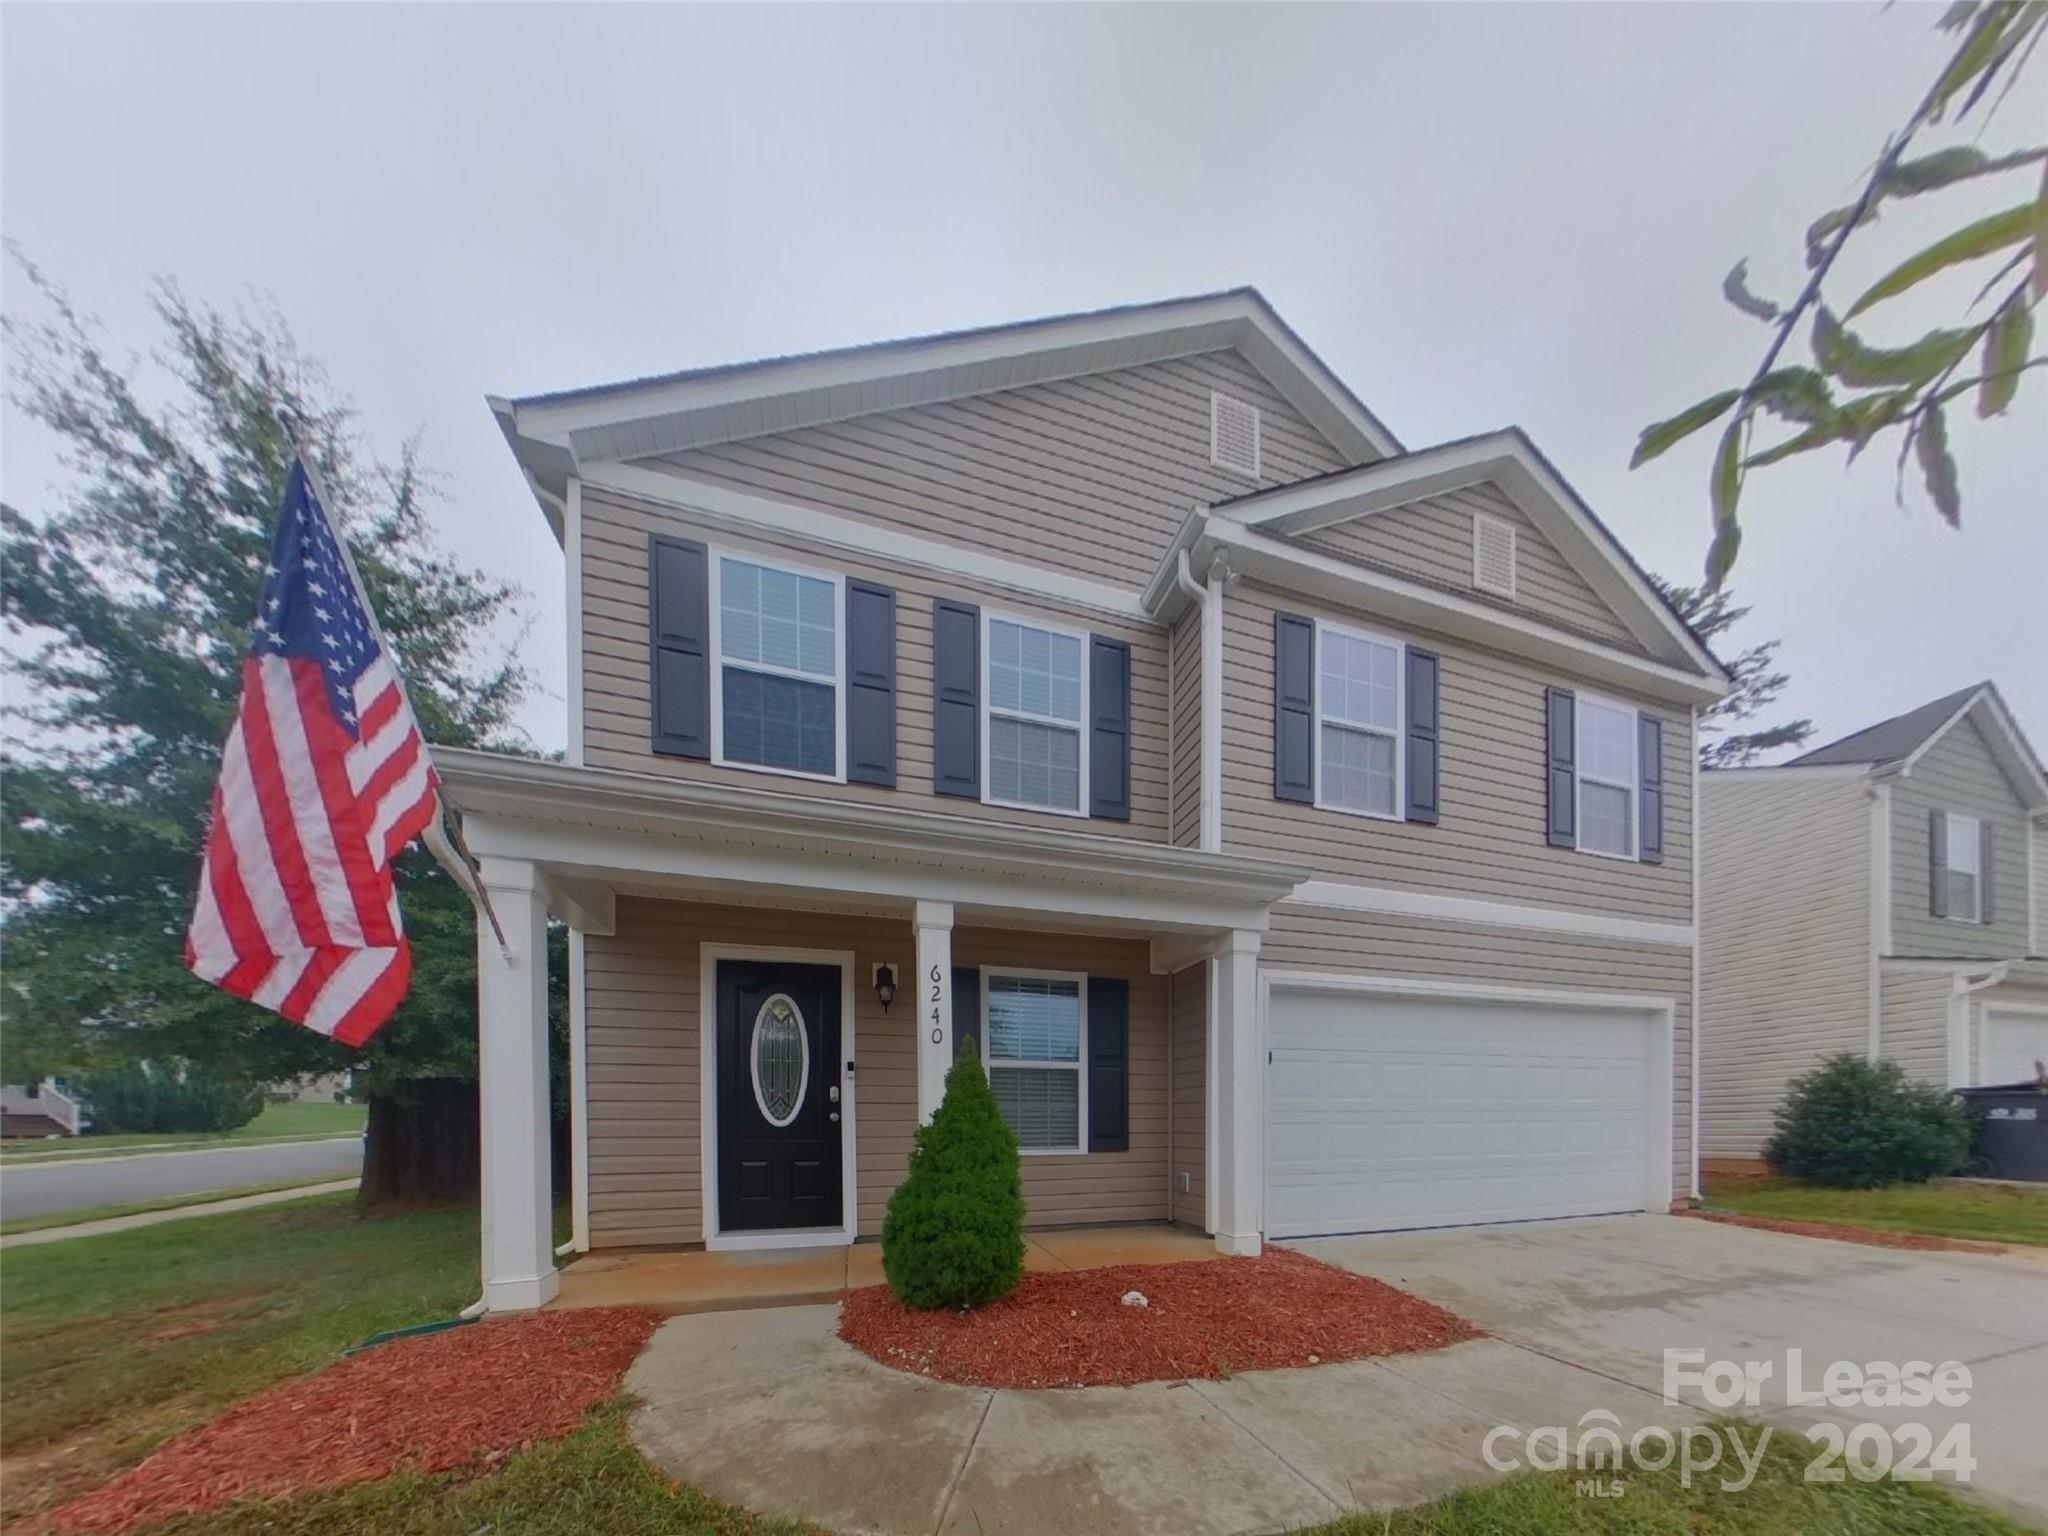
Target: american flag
point(324, 779)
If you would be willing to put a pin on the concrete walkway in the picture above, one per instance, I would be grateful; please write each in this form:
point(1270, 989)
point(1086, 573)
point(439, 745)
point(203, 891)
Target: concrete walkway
point(770, 1410)
point(176, 1213)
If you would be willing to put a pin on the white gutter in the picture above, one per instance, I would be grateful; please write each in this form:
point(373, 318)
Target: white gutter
point(1698, 923)
point(1210, 601)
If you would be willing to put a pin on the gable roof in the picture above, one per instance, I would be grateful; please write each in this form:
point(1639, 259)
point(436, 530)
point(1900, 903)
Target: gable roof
point(1895, 745)
point(668, 413)
point(1508, 459)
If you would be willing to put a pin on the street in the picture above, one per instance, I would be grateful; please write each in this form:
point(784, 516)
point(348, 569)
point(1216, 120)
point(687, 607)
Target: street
point(40, 1189)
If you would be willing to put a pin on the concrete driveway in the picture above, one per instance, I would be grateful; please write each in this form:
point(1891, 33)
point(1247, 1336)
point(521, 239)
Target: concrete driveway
point(768, 1409)
point(1610, 1296)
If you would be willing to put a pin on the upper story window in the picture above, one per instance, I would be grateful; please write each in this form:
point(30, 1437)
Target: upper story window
point(1036, 1028)
point(1358, 722)
point(778, 702)
point(1233, 435)
point(1609, 778)
point(1964, 870)
point(1036, 693)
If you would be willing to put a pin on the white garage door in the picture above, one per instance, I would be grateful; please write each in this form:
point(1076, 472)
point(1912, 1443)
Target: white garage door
point(1389, 1112)
point(2013, 1042)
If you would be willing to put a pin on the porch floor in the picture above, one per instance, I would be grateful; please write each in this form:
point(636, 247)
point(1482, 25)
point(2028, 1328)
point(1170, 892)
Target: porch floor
point(702, 1281)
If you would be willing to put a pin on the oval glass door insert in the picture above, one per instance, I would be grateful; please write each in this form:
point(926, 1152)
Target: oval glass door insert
point(781, 1060)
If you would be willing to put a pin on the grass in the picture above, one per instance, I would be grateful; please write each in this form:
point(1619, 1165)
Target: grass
point(595, 1481)
point(1953, 1208)
point(110, 1344)
point(277, 1122)
point(143, 1207)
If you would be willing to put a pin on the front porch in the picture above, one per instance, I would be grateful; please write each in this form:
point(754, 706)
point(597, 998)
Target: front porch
point(703, 1280)
point(766, 991)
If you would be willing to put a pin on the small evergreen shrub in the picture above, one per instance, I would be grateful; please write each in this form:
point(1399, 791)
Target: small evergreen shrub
point(157, 1099)
point(1859, 1124)
point(954, 1233)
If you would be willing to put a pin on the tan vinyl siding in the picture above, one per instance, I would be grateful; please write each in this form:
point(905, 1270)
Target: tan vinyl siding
point(642, 1009)
point(1088, 475)
point(1184, 670)
point(1432, 540)
point(1913, 1030)
point(1784, 942)
point(1189, 1018)
point(1490, 839)
point(1958, 775)
point(1303, 938)
point(615, 686)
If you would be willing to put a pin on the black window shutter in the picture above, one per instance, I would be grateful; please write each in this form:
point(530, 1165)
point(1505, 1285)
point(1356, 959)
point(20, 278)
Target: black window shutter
point(1561, 760)
point(1650, 770)
point(870, 684)
point(678, 646)
point(1294, 707)
point(1109, 731)
point(1987, 876)
point(956, 699)
point(1937, 863)
point(1109, 1064)
point(966, 1011)
point(1423, 743)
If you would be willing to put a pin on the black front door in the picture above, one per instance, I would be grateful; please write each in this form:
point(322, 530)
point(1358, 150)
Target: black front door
point(779, 1074)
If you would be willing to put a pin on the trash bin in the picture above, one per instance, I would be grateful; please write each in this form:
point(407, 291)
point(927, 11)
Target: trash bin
point(2012, 1140)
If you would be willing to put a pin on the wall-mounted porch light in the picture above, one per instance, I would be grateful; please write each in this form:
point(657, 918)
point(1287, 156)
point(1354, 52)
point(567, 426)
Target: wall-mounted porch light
point(885, 984)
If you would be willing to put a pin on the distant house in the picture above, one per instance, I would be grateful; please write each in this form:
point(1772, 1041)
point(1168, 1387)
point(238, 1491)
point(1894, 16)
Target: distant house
point(47, 1107)
point(1881, 895)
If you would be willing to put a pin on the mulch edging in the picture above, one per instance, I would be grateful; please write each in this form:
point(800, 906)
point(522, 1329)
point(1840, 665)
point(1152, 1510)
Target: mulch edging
point(467, 1398)
point(1205, 1321)
point(1870, 1237)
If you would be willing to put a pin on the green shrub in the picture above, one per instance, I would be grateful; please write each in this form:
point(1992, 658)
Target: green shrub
point(1858, 1124)
point(954, 1234)
point(159, 1099)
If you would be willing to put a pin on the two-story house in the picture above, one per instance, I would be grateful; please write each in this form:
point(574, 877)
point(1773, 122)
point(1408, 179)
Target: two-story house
point(1299, 827)
point(1880, 895)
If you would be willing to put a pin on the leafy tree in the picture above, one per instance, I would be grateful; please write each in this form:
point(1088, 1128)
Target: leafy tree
point(1856, 391)
point(1758, 682)
point(128, 603)
point(953, 1235)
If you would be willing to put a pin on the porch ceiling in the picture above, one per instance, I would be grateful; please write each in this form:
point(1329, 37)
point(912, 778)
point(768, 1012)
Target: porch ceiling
point(600, 832)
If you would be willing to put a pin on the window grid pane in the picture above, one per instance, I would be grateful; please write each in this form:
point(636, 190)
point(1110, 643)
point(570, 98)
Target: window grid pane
point(1358, 770)
point(1962, 894)
point(1042, 1106)
point(1033, 764)
point(1604, 815)
point(780, 722)
point(1033, 671)
point(1361, 681)
point(777, 619)
point(1033, 1018)
point(1607, 743)
point(1964, 840)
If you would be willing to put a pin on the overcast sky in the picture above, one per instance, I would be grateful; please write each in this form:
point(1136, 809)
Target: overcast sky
point(1477, 214)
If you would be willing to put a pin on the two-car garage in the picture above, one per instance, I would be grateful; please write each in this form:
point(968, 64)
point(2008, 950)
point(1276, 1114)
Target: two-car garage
point(1401, 1105)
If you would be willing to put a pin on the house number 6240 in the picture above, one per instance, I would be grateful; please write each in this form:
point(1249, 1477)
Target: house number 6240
point(938, 997)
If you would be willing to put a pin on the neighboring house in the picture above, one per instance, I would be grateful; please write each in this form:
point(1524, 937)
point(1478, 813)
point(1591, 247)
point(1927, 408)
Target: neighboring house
point(1300, 827)
point(46, 1107)
point(1880, 895)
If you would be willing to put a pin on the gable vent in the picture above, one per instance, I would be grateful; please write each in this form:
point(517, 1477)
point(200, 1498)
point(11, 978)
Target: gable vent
point(1493, 555)
point(1233, 435)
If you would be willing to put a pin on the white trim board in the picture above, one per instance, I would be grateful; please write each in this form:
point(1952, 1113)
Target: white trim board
point(1386, 901)
point(708, 956)
point(746, 512)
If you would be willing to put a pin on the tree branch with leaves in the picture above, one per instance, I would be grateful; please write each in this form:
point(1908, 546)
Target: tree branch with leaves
point(1854, 392)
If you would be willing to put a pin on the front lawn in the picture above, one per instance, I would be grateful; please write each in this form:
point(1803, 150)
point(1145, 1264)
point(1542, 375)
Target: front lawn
point(1951, 1208)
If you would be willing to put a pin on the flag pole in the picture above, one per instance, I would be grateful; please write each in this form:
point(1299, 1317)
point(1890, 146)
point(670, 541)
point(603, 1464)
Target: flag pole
point(450, 853)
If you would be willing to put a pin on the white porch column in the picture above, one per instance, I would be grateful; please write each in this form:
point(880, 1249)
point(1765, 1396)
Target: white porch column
point(933, 989)
point(512, 1086)
point(1237, 1088)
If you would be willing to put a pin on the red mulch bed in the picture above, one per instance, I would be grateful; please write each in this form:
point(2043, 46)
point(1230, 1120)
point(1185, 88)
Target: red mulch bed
point(466, 1398)
point(1205, 1320)
point(1870, 1237)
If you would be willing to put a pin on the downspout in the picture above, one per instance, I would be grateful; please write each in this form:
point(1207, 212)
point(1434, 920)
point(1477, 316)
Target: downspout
point(1959, 1019)
point(1209, 601)
point(1693, 1128)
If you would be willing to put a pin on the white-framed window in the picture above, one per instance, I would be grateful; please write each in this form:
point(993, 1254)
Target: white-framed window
point(1233, 435)
point(1035, 1047)
point(1964, 870)
point(1034, 714)
point(1610, 779)
point(777, 703)
point(1360, 709)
